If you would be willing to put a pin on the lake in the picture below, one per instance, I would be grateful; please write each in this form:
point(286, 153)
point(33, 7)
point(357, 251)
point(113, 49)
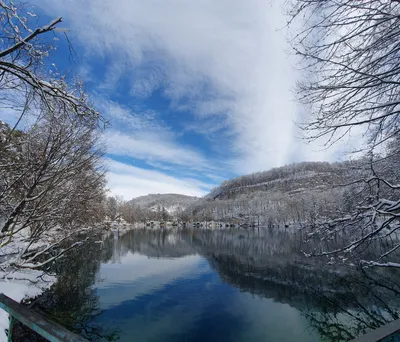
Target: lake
point(202, 285)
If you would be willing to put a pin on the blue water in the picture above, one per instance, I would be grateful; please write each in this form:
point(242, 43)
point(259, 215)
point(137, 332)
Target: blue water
point(213, 286)
point(183, 299)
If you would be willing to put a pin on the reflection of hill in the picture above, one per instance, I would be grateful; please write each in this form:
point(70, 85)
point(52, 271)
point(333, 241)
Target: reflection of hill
point(271, 264)
point(266, 263)
point(155, 244)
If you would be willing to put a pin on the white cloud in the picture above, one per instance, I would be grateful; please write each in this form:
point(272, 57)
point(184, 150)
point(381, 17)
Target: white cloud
point(224, 57)
point(124, 118)
point(227, 58)
point(129, 182)
point(139, 134)
point(150, 148)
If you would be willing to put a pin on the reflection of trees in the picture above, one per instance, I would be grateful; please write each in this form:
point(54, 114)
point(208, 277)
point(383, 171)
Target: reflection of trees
point(269, 265)
point(259, 249)
point(363, 301)
point(340, 303)
point(72, 301)
point(153, 243)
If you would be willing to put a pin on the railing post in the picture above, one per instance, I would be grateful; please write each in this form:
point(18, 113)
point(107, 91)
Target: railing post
point(10, 329)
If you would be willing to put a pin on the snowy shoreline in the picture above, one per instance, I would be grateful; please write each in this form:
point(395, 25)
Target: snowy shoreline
point(19, 285)
point(25, 283)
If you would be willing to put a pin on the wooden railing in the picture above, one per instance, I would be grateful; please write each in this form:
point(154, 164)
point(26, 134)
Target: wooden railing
point(49, 330)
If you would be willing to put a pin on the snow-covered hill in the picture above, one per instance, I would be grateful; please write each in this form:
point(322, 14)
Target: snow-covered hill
point(289, 178)
point(172, 203)
point(292, 193)
point(302, 192)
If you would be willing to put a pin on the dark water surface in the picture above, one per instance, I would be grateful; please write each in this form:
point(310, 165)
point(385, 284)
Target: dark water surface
point(215, 286)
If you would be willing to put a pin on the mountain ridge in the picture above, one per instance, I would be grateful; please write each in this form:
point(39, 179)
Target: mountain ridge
point(299, 192)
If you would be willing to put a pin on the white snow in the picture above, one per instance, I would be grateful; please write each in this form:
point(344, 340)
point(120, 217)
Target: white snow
point(19, 285)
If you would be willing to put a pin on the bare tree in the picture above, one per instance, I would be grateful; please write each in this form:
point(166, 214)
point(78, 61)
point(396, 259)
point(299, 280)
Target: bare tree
point(51, 178)
point(114, 208)
point(351, 57)
point(25, 84)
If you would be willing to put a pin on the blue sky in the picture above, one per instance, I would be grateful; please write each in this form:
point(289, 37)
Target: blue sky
point(196, 91)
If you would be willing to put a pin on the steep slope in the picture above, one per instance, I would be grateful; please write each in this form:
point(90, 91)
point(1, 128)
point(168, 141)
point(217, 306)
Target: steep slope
point(292, 193)
point(292, 178)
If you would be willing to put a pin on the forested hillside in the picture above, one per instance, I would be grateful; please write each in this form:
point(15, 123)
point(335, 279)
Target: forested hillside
point(290, 178)
point(305, 192)
point(159, 207)
point(172, 203)
point(302, 192)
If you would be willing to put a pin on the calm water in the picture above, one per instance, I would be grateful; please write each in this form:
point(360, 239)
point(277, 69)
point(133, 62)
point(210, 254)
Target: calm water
point(214, 286)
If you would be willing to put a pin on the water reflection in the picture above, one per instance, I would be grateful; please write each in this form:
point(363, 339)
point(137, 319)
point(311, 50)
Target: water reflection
point(360, 302)
point(72, 300)
point(216, 285)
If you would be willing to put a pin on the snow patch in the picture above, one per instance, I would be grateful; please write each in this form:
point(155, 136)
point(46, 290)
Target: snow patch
point(19, 285)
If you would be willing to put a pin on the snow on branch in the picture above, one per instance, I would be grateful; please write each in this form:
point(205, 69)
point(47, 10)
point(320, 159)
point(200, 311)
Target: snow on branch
point(35, 33)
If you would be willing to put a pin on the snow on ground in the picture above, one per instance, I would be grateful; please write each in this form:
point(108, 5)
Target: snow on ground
point(19, 285)
point(25, 283)
point(20, 241)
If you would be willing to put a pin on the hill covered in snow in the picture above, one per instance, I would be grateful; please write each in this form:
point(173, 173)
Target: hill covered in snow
point(302, 192)
point(172, 203)
point(292, 193)
point(290, 179)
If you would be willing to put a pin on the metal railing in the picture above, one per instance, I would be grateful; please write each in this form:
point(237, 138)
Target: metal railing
point(387, 333)
point(44, 327)
point(56, 333)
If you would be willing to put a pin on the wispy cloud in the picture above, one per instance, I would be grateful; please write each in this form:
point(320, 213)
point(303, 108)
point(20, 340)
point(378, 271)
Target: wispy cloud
point(149, 147)
point(129, 182)
point(224, 58)
point(222, 63)
point(125, 118)
point(140, 135)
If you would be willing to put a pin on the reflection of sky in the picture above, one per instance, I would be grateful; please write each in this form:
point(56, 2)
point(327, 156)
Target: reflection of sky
point(138, 275)
point(183, 299)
